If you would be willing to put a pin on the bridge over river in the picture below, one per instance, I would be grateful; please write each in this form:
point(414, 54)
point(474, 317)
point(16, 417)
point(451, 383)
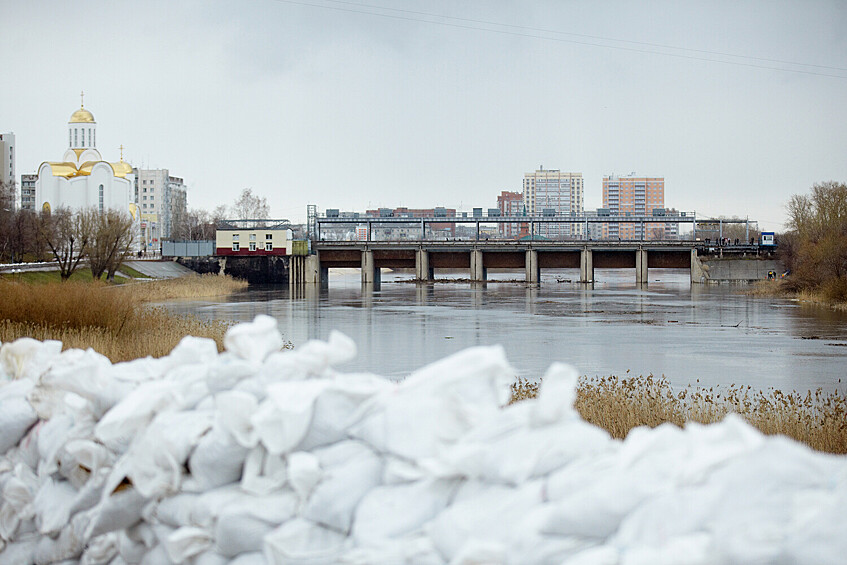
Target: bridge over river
point(531, 256)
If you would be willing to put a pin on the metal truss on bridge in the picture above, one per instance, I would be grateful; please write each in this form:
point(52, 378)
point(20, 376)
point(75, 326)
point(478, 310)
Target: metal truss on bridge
point(530, 221)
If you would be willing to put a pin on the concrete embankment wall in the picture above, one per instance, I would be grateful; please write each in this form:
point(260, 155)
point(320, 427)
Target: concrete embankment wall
point(255, 270)
point(714, 270)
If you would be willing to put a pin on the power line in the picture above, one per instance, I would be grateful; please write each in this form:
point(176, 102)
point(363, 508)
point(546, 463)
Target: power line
point(480, 23)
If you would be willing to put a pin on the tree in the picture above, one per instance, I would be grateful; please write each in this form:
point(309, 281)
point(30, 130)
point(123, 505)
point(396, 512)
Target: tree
point(111, 242)
point(817, 250)
point(250, 207)
point(7, 213)
point(67, 236)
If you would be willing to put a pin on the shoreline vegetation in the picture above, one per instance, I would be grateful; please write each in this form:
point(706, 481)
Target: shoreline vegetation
point(780, 289)
point(114, 320)
point(619, 404)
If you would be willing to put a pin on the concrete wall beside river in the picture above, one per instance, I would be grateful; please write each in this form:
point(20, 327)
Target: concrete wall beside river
point(734, 269)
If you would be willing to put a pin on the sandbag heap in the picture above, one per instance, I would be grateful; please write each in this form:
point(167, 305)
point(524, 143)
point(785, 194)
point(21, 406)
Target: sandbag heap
point(258, 455)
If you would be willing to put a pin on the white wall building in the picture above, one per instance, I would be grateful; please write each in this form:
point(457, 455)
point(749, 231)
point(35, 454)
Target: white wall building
point(561, 193)
point(160, 197)
point(7, 159)
point(82, 179)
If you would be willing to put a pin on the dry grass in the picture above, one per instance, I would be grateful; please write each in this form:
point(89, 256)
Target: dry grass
point(112, 320)
point(618, 405)
point(193, 286)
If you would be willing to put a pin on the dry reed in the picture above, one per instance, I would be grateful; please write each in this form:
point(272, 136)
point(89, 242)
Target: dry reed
point(818, 419)
point(113, 321)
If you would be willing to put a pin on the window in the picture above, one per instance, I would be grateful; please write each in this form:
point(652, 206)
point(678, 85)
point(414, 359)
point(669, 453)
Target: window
point(101, 197)
point(70, 139)
point(252, 246)
point(269, 236)
point(235, 246)
point(269, 246)
point(252, 237)
point(235, 237)
point(75, 137)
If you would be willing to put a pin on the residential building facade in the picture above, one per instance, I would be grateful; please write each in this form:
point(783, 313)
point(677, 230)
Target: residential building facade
point(510, 204)
point(638, 197)
point(28, 183)
point(160, 197)
point(551, 192)
point(7, 160)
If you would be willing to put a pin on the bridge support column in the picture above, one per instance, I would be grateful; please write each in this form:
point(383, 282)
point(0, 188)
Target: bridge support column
point(423, 272)
point(698, 274)
point(641, 266)
point(533, 270)
point(313, 272)
point(586, 266)
point(478, 271)
point(370, 272)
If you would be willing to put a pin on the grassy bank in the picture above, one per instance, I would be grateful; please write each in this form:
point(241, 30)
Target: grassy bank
point(827, 295)
point(620, 404)
point(113, 320)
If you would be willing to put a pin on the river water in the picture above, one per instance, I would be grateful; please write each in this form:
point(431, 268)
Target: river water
point(714, 333)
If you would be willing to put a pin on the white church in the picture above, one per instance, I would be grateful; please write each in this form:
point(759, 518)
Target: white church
point(82, 179)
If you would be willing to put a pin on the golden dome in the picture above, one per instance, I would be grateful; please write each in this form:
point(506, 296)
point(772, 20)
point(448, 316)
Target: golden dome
point(121, 169)
point(82, 116)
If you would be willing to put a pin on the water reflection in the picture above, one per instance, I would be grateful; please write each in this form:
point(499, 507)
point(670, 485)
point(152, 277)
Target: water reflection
point(712, 333)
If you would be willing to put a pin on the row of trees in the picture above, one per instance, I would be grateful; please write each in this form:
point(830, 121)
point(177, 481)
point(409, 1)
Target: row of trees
point(198, 224)
point(815, 247)
point(103, 239)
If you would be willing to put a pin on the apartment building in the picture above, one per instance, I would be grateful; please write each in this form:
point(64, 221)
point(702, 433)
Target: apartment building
point(510, 204)
point(637, 197)
point(551, 192)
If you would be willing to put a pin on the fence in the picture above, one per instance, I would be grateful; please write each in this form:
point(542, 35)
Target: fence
point(188, 248)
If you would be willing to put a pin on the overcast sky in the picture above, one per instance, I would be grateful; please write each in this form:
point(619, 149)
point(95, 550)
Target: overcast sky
point(386, 103)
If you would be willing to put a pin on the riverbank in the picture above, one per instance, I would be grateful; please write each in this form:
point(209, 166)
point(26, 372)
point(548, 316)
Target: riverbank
point(779, 289)
point(114, 320)
point(619, 404)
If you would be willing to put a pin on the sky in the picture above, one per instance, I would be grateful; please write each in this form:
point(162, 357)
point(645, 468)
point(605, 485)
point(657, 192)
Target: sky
point(385, 103)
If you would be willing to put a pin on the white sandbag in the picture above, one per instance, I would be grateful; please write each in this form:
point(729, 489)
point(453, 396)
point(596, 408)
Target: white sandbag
point(156, 460)
point(235, 411)
point(16, 414)
point(242, 524)
point(217, 460)
point(27, 358)
point(19, 491)
point(116, 511)
point(175, 511)
point(444, 399)
point(254, 340)
point(187, 542)
point(101, 550)
point(284, 418)
point(228, 371)
point(52, 505)
point(210, 557)
point(135, 542)
point(481, 552)
point(350, 471)
point(304, 472)
point(556, 395)
point(19, 552)
point(117, 428)
point(392, 511)
point(80, 459)
point(86, 374)
point(337, 405)
point(302, 542)
point(489, 513)
point(156, 556)
point(190, 351)
point(263, 472)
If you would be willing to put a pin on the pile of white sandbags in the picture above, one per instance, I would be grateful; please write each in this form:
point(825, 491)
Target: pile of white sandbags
point(262, 456)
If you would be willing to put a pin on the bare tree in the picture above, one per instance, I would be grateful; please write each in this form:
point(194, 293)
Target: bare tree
point(67, 236)
point(251, 207)
point(817, 250)
point(111, 242)
point(7, 214)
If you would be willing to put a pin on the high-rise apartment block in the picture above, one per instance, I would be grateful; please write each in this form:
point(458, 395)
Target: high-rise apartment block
point(637, 197)
point(28, 183)
point(7, 159)
point(554, 193)
point(160, 197)
point(510, 204)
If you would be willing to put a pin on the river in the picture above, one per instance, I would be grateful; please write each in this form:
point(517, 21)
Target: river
point(714, 333)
